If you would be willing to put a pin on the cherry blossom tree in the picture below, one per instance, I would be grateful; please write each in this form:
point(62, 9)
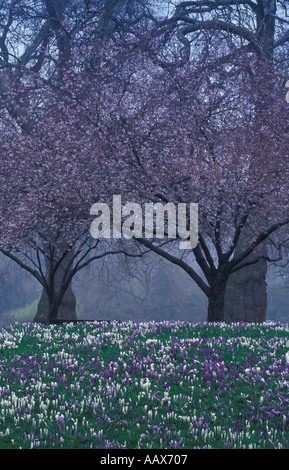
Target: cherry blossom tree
point(202, 133)
point(54, 170)
point(258, 27)
point(38, 45)
point(118, 117)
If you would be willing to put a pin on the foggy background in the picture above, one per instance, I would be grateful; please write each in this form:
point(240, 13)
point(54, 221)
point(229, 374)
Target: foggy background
point(120, 288)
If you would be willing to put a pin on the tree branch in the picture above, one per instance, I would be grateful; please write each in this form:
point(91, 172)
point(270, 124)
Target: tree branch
point(177, 261)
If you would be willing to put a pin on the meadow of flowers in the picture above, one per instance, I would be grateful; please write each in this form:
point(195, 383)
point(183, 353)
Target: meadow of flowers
point(158, 385)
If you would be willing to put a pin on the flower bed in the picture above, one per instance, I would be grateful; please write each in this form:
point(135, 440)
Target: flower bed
point(157, 385)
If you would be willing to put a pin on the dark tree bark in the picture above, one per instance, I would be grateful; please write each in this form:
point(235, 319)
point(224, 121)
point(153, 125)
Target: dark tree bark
point(49, 309)
point(67, 309)
point(216, 298)
point(246, 294)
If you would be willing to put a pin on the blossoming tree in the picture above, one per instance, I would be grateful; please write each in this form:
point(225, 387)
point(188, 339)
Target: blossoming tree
point(203, 133)
point(45, 143)
point(53, 170)
point(258, 27)
point(115, 119)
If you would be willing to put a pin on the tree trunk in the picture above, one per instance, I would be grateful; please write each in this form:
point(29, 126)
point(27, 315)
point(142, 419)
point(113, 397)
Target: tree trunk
point(67, 308)
point(246, 294)
point(66, 311)
point(217, 299)
point(53, 311)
